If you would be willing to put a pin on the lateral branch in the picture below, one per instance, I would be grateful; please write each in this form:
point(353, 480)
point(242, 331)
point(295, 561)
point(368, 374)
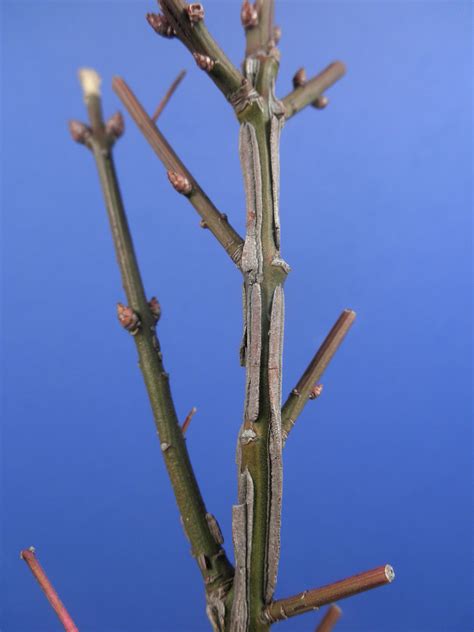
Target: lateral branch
point(313, 89)
point(313, 599)
point(29, 556)
point(302, 392)
point(140, 318)
point(180, 176)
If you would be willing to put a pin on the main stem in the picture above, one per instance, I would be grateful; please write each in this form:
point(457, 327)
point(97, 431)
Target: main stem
point(259, 449)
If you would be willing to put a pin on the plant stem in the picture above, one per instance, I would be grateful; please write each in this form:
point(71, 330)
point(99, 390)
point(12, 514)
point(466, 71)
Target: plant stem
point(216, 221)
point(299, 396)
point(215, 568)
point(313, 89)
point(197, 39)
point(314, 599)
point(28, 555)
point(332, 616)
point(164, 101)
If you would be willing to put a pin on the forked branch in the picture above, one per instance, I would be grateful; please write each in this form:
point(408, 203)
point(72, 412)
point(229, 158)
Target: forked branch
point(299, 396)
point(28, 555)
point(180, 177)
point(317, 597)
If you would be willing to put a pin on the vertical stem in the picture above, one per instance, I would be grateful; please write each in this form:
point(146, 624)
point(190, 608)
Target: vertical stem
point(260, 457)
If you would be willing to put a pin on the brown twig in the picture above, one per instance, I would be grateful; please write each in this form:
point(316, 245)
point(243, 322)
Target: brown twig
point(28, 555)
point(216, 221)
point(317, 597)
point(312, 90)
point(188, 419)
point(164, 101)
point(304, 389)
point(332, 616)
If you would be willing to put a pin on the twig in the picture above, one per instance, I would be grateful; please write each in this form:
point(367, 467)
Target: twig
point(196, 37)
point(28, 555)
point(332, 616)
point(164, 101)
point(303, 390)
point(188, 419)
point(313, 599)
point(216, 222)
point(313, 89)
point(140, 318)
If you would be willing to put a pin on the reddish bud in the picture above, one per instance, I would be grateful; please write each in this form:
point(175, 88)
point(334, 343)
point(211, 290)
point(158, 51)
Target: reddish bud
point(128, 318)
point(159, 23)
point(195, 12)
point(299, 78)
point(180, 182)
point(80, 132)
point(115, 126)
point(316, 391)
point(155, 308)
point(204, 62)
point(320, 103)
point(248, 15)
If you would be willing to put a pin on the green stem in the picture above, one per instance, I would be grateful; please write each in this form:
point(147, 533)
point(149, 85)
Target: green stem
point(215, 568)
point(197, 39)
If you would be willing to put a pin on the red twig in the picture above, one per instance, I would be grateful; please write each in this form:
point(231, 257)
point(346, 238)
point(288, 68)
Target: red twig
point(168, 95)
point(332, 616)
point(317, 597)
point(28, 555)
point(187, 421)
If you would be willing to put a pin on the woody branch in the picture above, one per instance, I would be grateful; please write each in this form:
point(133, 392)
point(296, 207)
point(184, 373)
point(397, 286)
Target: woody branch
point(140, 317)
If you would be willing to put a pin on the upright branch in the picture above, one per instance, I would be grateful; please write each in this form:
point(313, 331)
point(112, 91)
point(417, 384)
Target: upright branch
point(139, 318)
point(28, 555)
point(313, 599)
point(304, 390)
point(179, 175)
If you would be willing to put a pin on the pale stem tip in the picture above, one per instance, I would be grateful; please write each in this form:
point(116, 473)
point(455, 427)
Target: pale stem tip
point(90, 82)
point(389, 573)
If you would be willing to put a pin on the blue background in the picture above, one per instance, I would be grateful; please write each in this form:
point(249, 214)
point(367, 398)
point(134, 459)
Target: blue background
point(375, 216)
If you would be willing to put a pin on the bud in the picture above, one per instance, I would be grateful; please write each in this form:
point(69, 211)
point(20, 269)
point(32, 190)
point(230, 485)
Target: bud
point(155, 308)
point(159, 23)
point(299, 78)
point(80, 132)
point(316, 391)
point(195, 12)
point(128, 318)
point(204, 62)
point(248, 15)
point(180, 182)
point(203, 224)
point(320, 103)
point(276, 34)
point(115, 126)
